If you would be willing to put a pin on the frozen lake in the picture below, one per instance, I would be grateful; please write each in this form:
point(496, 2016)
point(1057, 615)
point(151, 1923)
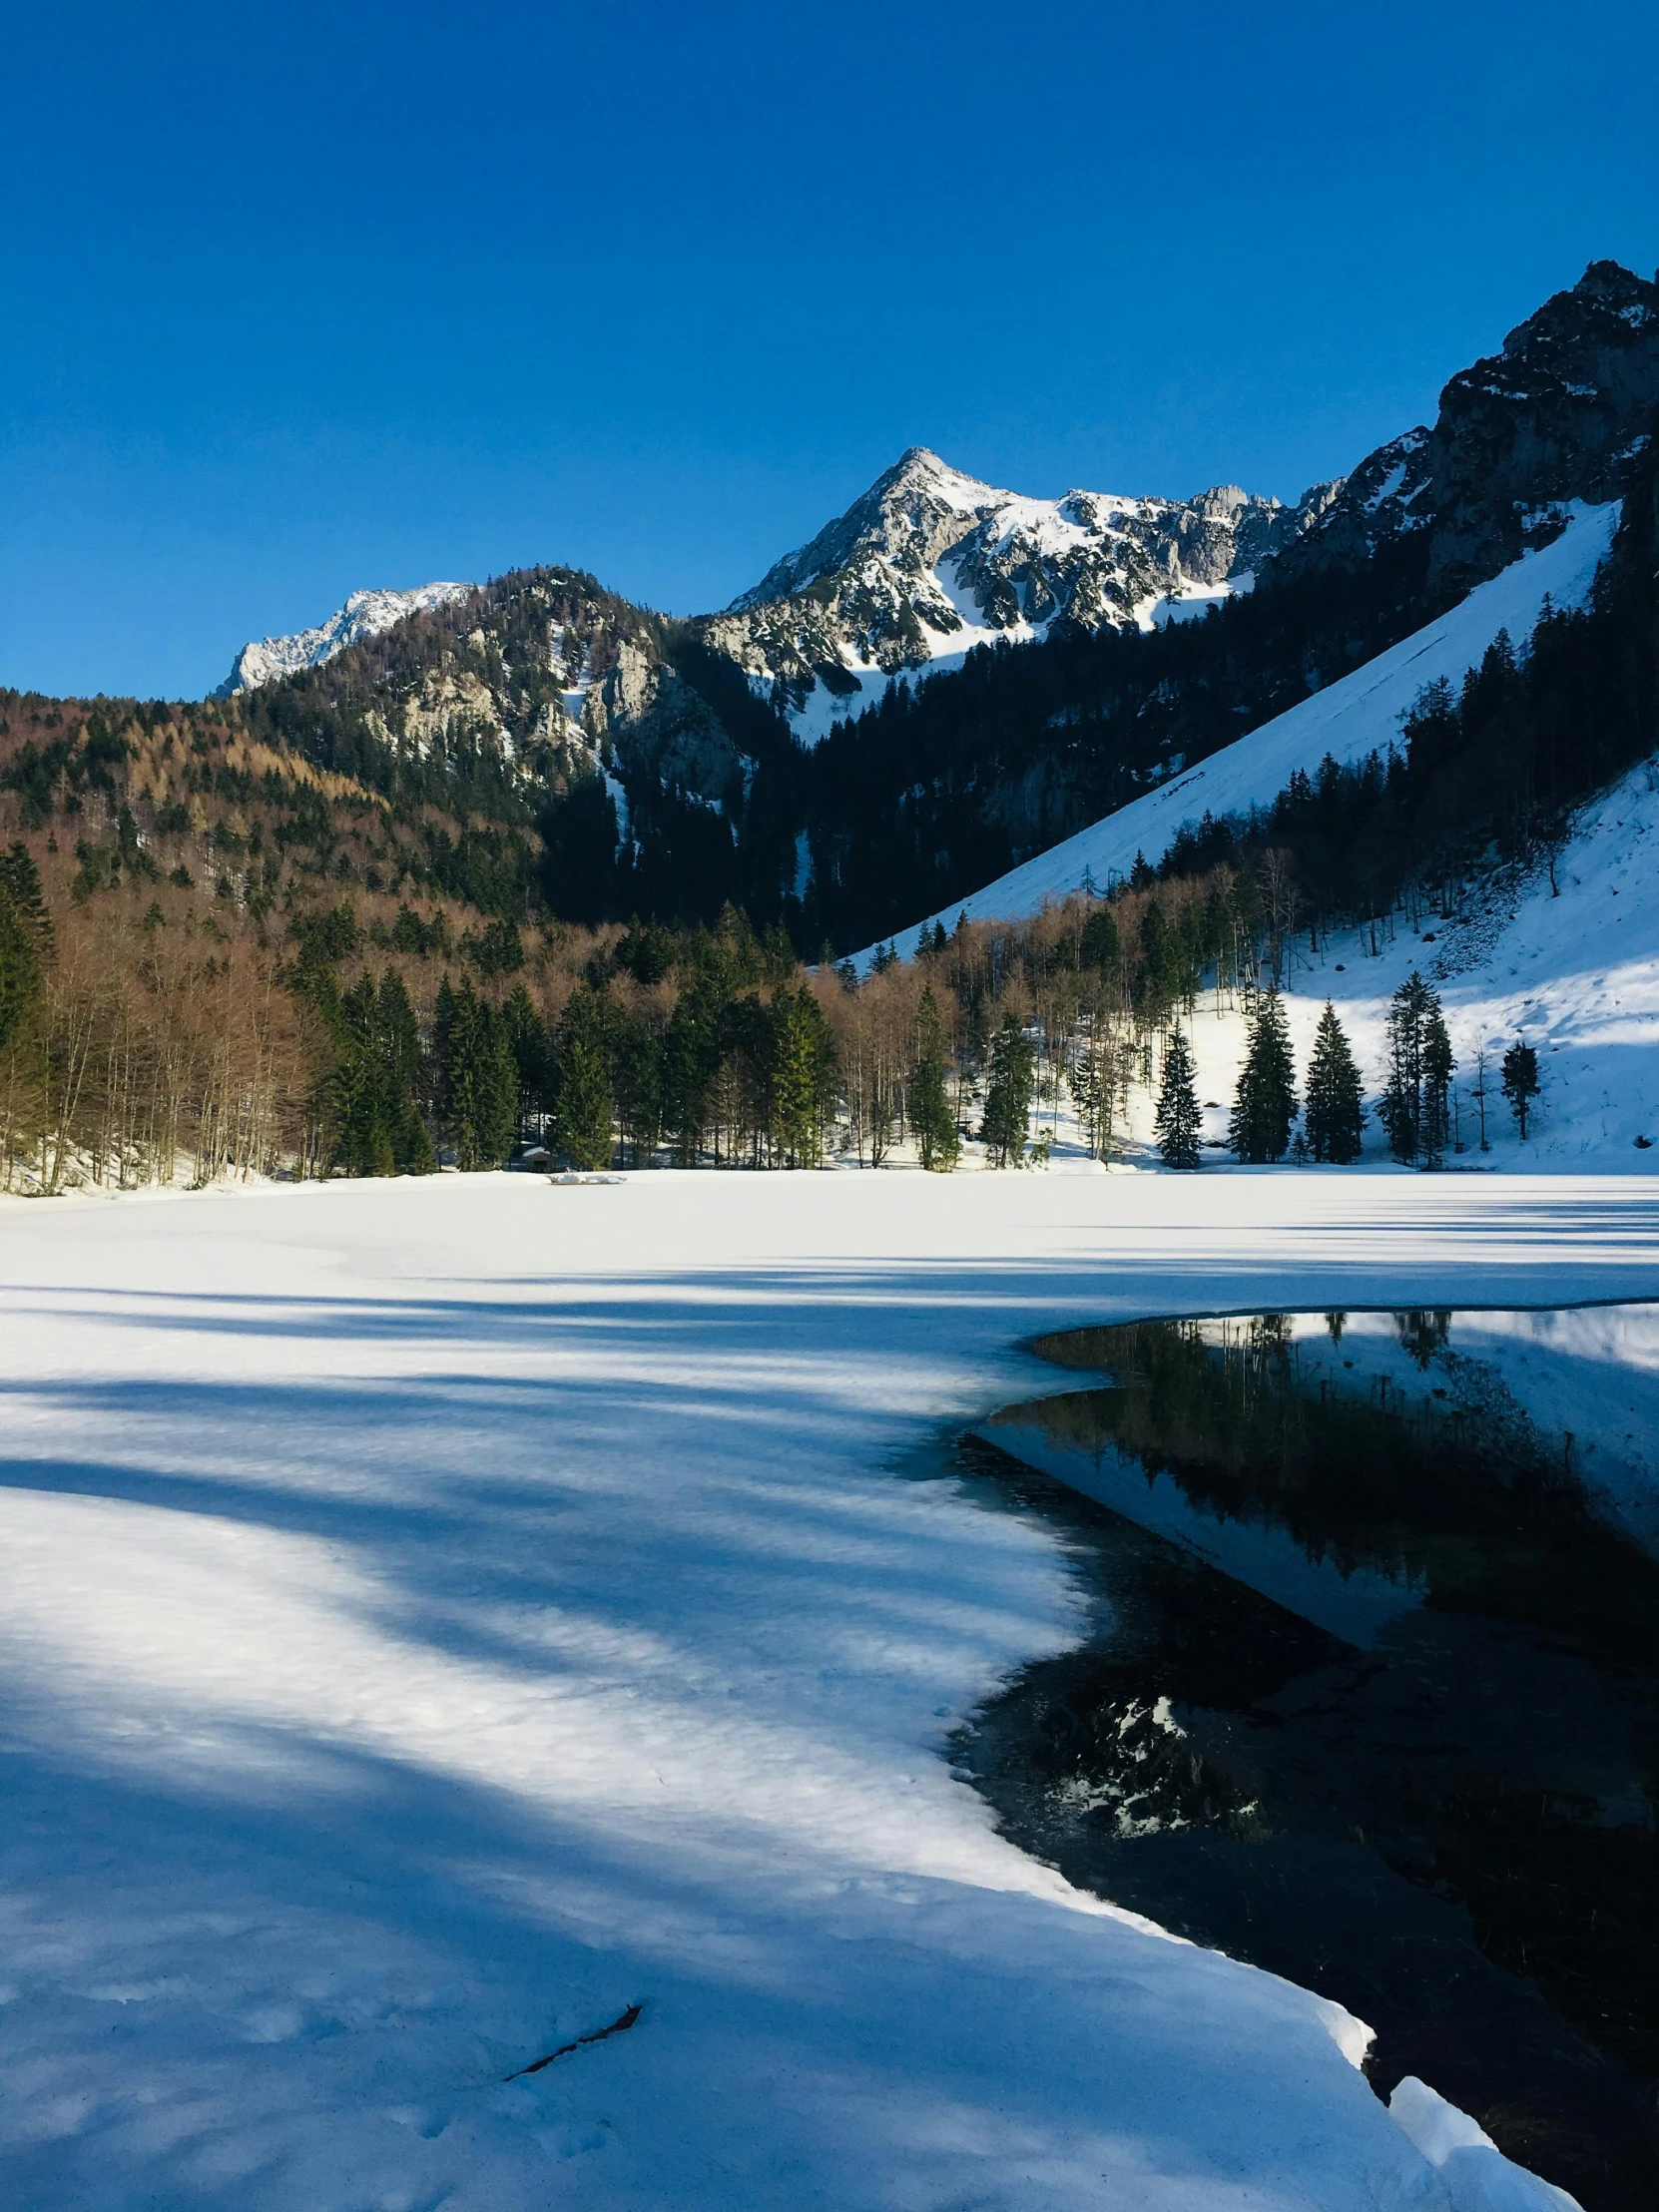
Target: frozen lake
point(439, 1618)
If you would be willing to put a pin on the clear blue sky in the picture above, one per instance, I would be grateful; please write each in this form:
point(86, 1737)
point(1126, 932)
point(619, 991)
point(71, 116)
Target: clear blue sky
point(302, 298)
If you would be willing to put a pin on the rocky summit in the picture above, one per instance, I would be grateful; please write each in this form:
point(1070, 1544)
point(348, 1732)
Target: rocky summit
point(929, 563)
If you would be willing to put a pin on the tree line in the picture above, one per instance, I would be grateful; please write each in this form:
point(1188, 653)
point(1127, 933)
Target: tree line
point(147, 1032)
point(1417, 1107)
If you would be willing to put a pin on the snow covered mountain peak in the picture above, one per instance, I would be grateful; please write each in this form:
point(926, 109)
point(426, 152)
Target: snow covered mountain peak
point(364, 615)
point(930, 562)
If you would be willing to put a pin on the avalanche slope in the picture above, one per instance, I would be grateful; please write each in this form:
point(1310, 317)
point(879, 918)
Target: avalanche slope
point(1351, 717)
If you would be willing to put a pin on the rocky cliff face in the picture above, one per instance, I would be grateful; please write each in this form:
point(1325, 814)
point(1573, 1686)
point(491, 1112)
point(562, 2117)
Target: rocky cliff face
point(1558, 414)
point(929, 563)
point(540, 676)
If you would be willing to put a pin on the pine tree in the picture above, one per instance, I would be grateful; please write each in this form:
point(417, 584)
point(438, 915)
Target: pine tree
point(1266, 1104)
point(1420, 1073)
point(1439, 1065)
point(1520, 1081)
point(1008, 1094)
point(583, 1105)
point(932, 1119)
point(1334, 1113)
point(803, 1077)
point(1178, 1122)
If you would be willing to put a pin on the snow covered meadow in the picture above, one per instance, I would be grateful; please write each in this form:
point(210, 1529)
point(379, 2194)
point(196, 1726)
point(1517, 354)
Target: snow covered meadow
point(442, 1616)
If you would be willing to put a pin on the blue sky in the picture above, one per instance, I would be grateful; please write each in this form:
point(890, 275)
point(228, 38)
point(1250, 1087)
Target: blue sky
point(302, 298)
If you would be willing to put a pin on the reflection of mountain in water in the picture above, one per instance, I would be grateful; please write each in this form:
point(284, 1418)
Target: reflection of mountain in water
point(1374, 1693)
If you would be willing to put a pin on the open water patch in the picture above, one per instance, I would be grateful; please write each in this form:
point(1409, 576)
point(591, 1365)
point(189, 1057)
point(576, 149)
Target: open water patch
point(1371, 1695)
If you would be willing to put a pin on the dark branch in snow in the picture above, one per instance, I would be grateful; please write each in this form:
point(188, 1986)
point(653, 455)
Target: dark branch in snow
point(618, 2026)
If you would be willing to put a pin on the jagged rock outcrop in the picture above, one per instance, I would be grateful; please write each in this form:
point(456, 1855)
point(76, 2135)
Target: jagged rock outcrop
point(1558, 414)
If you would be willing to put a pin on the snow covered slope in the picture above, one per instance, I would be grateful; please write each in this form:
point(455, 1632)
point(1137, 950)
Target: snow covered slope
point(364, 615)
point(1347, 719)
point(439, 1618)
point(1574, 973)
point(930, 563)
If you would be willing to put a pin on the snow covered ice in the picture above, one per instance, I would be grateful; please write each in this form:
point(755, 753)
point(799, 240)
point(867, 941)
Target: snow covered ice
point(441, 1616)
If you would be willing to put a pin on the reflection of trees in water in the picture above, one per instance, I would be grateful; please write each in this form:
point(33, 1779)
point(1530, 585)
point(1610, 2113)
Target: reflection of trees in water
point(1454, 1489)
point(1423, 1334)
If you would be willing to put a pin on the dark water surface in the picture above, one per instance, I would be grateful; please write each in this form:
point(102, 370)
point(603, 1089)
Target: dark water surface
point(1371, 1694)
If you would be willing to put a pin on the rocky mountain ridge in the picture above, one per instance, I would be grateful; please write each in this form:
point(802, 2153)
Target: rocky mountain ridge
point(929, 563)
point(780, 754)
point(364, 615)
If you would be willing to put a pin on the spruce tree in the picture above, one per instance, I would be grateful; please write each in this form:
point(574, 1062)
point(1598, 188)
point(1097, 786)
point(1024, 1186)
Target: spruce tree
point(1439, 1064)
point(21, 986)
point(1093, 1076)
point(1417, 1102)
point(691, 1055)
point(1266, 1104)
point(1101, 947)
point(1520, 1081)
point(932, 1119)
point(583, 1105)
point(803, 1077)
point(1179, 1121)
point(20, 881)
point(532, 1052)
point(1008, 1094)
point(378, 1124)
point(1334, 1115)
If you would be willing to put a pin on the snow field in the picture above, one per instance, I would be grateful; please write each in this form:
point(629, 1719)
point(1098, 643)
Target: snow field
point(443, 1615)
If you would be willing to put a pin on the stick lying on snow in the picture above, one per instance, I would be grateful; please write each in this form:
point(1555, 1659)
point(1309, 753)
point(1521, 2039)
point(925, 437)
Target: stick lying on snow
point(618, 2026)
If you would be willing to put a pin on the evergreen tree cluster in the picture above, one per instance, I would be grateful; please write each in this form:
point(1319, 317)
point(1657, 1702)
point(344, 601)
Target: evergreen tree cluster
point(1416, 1108)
